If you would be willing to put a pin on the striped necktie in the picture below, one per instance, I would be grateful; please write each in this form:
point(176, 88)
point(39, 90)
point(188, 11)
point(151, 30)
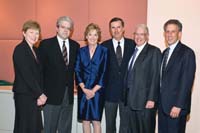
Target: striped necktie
point(64, 52)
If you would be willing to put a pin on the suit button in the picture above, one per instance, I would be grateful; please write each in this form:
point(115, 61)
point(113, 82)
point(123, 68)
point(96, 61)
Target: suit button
point(119, 73)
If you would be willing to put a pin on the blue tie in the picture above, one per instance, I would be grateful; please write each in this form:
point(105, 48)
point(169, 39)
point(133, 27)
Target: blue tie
point(133, 58)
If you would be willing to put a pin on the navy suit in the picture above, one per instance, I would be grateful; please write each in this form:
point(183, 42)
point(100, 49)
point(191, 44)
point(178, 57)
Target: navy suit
point(176, 87)
point(114, 85)
point(116, 73)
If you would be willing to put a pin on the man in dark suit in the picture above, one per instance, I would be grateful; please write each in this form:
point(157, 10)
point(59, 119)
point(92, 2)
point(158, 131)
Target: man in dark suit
point(58, 56)
point(120, 50)
point(177, 76)
point(142, 83)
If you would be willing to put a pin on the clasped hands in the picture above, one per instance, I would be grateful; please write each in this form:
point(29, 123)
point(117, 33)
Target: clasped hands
point(89, 93)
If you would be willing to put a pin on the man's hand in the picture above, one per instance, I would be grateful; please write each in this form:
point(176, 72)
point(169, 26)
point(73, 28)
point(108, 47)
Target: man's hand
point(41, 100)
point(150, 104)
point(175, 112)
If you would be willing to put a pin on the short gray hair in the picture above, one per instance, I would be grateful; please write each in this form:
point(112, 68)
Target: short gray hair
point(143, 26)
point(65, 18)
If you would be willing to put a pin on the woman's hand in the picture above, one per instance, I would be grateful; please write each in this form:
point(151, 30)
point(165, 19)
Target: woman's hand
point(89, 93)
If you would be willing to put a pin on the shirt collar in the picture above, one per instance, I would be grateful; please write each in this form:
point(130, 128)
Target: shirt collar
point(60, 40)
point(116, 42)
point(172, 46)
point(141, 47)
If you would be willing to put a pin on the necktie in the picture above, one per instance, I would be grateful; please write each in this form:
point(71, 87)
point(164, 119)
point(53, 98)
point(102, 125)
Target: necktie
point(164, 63)
point(129, 73)
point(133, 58)
point(64, 52)
point(119, 54)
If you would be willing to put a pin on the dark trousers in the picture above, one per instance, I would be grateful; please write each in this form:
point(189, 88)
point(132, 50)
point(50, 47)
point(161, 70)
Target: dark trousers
point(58, 117)
point(110, 115)
point(142, 121)
point(27, 114)
point(166, 124)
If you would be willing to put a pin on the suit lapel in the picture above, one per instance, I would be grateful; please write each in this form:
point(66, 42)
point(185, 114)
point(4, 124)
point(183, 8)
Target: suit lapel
point(57, 49)
point(112, 52)
point(31, 57)
point(30, 53)
point(71, 51)
point(125, 56)
point(173, 56)
point(141, 56)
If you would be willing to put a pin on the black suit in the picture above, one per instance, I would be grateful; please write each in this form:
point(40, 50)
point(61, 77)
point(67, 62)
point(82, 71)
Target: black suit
point(176, 86)
point(27, 88)
point(142, 86)
point(114, 87)
point(58, 81)
point(56, 75)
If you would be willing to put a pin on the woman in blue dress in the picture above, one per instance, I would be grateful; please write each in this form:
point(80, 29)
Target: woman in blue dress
point(90, 76)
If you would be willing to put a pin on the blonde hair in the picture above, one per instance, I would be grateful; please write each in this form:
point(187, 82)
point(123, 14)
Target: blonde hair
point(31, 24)
point(90, 27)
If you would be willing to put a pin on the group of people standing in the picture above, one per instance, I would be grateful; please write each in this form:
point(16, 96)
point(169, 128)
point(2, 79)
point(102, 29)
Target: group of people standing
point(130, 75)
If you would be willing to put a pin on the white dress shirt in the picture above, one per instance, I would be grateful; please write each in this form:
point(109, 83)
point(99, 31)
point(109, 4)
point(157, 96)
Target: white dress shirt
point(140, 48)
point(60, 41)
point(115, 44)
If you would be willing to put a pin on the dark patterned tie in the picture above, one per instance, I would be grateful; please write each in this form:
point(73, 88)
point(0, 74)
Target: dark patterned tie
point(164, 63)
point(119, 54)
point(64, 52)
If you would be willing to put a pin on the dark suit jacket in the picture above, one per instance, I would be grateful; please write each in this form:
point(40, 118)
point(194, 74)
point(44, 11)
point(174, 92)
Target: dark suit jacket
point(144, 78)
point(178, 79)
point(116, 73)
point(57, 76)
point(28, 78)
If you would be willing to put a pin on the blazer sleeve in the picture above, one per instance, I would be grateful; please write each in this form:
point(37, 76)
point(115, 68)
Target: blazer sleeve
point(42, 54)
point(103, 68)
point(186, 80)
point(78, 69)
point(155, 78)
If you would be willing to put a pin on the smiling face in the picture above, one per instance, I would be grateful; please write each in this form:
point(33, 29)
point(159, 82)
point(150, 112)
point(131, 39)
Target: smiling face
point(117, 30)
point(63, 29)
point(140, 36)
point(172, 34)
point(31, 36)
point(92, 37)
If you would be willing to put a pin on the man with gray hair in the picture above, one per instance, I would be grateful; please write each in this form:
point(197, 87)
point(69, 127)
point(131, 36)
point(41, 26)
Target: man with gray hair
point(57, 56)
point(142, 83)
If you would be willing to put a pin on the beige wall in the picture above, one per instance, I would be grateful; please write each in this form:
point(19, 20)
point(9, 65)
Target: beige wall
point(187, 11)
